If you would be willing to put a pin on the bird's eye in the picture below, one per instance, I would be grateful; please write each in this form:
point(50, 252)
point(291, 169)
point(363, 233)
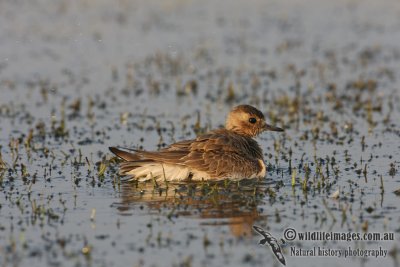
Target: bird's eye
point(252, 120)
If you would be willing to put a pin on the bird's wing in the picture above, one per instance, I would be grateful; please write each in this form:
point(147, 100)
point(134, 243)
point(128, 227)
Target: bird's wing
point(273, 242)
point(276, 249)
point(260, 230)
point(215, 153)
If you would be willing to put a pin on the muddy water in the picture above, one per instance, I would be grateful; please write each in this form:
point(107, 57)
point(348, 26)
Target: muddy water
point(78, 77)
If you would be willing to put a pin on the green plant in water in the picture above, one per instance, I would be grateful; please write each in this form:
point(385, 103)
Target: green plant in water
point(294, 173)
point(102, 170)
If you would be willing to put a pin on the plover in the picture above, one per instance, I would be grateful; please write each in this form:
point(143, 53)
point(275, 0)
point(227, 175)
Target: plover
point(225, 153)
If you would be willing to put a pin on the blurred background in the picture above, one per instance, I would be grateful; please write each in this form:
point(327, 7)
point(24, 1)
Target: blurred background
point(79, 76)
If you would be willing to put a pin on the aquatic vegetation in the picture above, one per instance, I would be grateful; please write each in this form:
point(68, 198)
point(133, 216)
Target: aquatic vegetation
point(70, 90)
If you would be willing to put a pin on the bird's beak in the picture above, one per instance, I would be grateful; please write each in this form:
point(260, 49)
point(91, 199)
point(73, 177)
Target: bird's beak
point(268, 127)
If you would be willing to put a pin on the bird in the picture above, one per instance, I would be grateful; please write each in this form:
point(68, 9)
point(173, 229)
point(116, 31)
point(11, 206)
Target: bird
point(228, 152)
point(272, 242)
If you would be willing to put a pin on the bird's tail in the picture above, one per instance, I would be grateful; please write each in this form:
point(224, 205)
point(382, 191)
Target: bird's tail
point(125, 155)
point(138, 167)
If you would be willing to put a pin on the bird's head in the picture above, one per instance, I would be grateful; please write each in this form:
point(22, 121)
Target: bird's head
point(249, 121)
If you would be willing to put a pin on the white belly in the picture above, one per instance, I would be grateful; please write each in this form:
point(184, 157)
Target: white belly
point(170, 172)
point(167, 172)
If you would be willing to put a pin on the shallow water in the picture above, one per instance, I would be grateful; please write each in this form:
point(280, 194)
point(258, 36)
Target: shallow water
point(87, 75)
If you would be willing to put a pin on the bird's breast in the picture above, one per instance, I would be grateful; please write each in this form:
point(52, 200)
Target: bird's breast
point(263, 171)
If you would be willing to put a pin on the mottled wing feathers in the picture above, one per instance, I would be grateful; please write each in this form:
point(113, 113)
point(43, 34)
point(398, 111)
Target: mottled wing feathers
point(219, 153)
point(218, 163)
point(172, 157)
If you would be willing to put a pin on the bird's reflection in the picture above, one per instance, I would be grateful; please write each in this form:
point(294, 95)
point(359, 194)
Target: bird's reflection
point(230, 203)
